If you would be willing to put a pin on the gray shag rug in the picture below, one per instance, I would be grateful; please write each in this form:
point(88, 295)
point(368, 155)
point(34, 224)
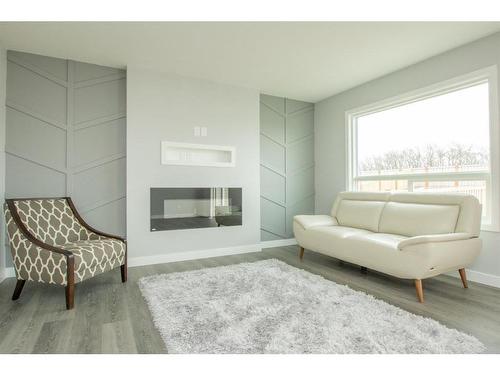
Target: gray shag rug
point(271, 307)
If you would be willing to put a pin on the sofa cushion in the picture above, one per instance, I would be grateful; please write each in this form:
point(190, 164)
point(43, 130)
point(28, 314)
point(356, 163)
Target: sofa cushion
point(354, 245)
point(411, 219)
point(359, 214)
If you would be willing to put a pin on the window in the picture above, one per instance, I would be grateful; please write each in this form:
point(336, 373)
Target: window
point(441, 139)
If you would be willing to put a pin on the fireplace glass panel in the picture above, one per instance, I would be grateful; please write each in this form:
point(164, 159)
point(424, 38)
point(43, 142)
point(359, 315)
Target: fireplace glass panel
point(188, 208)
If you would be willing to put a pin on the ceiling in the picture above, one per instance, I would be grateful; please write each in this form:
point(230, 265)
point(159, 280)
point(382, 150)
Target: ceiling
point(300, 60)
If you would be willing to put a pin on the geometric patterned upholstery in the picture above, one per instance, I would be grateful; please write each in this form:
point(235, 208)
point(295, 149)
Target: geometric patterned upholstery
point(53, 222)
point(93, 257)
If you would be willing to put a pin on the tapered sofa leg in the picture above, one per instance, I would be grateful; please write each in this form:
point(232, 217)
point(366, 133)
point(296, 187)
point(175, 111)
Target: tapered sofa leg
point(123, 269)
point(420, 290)
point(463, 276)
point(301, 253)
point(18, 289)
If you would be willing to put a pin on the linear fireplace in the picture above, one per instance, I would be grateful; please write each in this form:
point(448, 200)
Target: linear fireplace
point(188, 208)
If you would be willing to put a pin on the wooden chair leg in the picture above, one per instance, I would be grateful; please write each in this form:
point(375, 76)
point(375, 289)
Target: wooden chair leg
point(463, 276)
point(420, 290)
point(70, 286)
point(18, 289)
point(301, 253)
point(70, 296)
point(123, 269)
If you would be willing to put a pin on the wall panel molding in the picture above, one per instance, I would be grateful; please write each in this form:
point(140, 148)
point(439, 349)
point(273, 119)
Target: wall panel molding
point(99, 121)
point(10, 152)
point(287, 131)
point(72, 146)
point(96, 81)
point(33, 113)
point(99, 204)
point(98, 162)
point(70, 103)
point(37, 70)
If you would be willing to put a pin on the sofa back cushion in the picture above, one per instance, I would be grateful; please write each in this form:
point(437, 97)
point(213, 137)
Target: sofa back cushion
point(469, 217)
point(362, 214)
point(415, 219)
point(409, 214)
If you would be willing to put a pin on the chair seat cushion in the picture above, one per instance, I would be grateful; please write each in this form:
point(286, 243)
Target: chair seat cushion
point(93, 257)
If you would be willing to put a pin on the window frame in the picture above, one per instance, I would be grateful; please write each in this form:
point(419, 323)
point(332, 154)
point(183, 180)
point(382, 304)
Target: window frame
point(488, 74)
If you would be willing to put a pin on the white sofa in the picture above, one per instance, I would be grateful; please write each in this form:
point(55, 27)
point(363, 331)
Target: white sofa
point(407, 235)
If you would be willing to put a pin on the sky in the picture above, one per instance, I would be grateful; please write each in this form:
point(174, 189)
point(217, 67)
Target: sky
point(459, 117)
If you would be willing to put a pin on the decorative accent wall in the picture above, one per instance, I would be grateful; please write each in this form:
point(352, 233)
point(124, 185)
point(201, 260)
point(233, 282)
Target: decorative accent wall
point(3, 89)
point(286, 164)
point(65, 135)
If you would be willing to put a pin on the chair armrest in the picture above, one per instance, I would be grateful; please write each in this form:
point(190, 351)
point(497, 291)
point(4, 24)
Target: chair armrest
point(88, 227)
point(309, 221)
point(418, 240)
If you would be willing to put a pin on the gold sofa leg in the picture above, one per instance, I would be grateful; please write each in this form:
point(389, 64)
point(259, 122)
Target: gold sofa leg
point(301, 253)
point(420, 290)
point(463, 276)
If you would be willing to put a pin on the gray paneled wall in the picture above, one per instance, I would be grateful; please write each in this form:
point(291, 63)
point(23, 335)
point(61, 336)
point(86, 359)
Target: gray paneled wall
point(286, 164)
point(65, 135)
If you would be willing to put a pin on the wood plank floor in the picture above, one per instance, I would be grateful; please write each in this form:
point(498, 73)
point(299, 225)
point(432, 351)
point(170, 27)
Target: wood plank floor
point(111, 317)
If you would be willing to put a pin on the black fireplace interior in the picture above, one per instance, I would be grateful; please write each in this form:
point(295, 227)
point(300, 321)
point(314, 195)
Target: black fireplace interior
point(188, 208)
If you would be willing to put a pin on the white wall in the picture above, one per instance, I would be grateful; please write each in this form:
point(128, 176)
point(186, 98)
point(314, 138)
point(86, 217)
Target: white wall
point(3, 76)
point(330, 128)
point(167, 107)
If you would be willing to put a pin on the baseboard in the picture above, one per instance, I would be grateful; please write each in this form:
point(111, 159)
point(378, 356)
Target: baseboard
point(8, 272)
point(480, 278)
point(190, 255)
point(475, 276)
point(277, 243)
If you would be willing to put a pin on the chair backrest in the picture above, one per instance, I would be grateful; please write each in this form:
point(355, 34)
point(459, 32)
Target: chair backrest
point(51, 220)
point(409, 214)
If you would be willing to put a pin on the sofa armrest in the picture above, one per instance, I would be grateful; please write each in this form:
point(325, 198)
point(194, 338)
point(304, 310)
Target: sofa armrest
point(418, 240)
point(309, 221)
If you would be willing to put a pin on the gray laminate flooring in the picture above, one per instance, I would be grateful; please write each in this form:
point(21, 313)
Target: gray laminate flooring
point(111, 317)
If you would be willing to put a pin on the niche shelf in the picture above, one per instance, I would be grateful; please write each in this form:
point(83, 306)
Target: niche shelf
point(177, 153)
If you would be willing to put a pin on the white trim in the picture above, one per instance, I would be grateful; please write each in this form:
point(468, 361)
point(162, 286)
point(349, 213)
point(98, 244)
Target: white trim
point(8, 272)
point(3, 274)
point(475, 276)
point(278, 243)
point(480, 278)
point(489, 74)
point(190, 255)
point(444, 176)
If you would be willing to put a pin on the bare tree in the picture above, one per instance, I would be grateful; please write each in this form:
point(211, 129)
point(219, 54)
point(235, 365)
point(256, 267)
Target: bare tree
point(431, 156)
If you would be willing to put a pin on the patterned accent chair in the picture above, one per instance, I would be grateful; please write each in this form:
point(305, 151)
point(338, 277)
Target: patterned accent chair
point(51, 243)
